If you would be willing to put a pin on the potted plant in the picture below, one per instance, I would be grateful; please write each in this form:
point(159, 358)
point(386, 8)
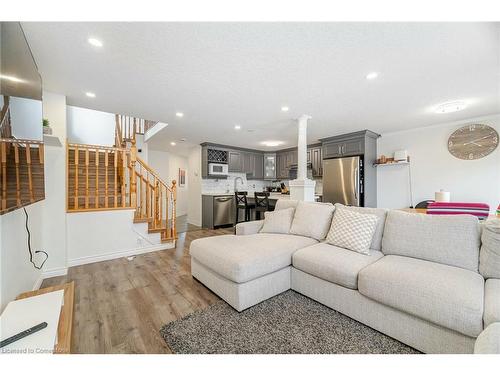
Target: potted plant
point(46, 127)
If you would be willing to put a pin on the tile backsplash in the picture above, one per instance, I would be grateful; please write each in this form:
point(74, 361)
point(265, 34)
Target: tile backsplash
point(211, 185)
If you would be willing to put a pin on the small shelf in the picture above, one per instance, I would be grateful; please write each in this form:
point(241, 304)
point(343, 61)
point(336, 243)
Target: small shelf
point(390, 164)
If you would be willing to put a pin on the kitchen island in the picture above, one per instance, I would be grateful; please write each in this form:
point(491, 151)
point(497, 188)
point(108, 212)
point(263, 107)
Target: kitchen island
point(219, 208)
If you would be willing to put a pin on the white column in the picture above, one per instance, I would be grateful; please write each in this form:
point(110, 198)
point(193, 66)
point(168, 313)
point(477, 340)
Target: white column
point(302, 147)
point(302, 188)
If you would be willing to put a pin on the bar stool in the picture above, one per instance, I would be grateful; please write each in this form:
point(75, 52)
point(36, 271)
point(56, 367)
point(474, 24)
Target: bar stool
point(242, 204)
point(261, 203)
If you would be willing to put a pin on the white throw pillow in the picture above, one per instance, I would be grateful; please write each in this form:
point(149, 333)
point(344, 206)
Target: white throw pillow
point(285, 203)
point(278, 221)
point(312, 219)
point(352, 230)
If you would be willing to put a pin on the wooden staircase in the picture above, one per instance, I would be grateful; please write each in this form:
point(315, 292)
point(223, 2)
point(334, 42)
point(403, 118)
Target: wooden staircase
point(112, 178)
point(21, 167)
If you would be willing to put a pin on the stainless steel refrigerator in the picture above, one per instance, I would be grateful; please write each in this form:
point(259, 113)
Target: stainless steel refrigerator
point(343, 181)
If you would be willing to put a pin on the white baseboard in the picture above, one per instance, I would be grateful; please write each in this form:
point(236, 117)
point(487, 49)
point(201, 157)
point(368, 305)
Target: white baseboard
point(119, 254)
point(48, 274)
point(62, 271)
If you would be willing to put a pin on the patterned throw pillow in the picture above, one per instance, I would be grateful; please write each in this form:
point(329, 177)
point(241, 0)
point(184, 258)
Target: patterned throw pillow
point(278, 221)
point(352, 230)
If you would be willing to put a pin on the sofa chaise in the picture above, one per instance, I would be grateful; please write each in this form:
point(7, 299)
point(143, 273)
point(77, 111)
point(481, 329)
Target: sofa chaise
point(422, 282)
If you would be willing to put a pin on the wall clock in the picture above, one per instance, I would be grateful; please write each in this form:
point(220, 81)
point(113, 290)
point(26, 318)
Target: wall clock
point(473, 142)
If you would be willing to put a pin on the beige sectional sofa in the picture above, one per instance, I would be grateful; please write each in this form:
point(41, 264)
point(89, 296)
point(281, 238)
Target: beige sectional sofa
point(420, 284)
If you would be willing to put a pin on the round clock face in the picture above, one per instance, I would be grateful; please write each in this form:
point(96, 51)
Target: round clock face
point(473, 142)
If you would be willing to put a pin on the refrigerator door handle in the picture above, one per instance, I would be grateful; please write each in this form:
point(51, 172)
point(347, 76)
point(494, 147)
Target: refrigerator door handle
point(356, 182)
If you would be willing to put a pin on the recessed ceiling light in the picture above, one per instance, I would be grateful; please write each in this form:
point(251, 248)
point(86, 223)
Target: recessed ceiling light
point(284, 109)
point(11, 78)
point(237, 127)
point(90, 94)
point(450, 107)
point(95, 42)
point(179, 114)
point(272, 143)
point(173, 143)
point(372, 75)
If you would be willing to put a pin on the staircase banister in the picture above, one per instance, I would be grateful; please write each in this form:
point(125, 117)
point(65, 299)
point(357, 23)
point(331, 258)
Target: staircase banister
point(152, 171)
point(98, 147)
point(16, 140)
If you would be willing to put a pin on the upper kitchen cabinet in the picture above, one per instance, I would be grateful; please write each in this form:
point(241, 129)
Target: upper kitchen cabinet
point(351, 144)
point(258, 171)
point(270, 166)
point(235, 161)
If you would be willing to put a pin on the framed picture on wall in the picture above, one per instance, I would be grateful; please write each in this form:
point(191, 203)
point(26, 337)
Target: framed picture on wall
point(182, 177)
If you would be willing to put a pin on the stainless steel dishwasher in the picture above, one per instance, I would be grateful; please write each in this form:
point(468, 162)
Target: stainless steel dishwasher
point(223, 210)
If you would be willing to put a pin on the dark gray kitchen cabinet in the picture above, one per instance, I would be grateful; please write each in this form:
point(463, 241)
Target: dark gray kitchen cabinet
point(354, 147)
point(332, 149)
point(316, 160)
point(246, 163)
point(351, 144)
point(235, 162)
point(258, 170)
point(280, 165)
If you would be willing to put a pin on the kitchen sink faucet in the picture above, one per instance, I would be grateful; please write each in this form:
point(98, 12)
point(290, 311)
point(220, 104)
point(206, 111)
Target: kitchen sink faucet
point(236, 183)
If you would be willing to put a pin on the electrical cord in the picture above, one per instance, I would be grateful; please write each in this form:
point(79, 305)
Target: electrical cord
point(29, 246)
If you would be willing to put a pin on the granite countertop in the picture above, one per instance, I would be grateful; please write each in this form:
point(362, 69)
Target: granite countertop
point(250, 195)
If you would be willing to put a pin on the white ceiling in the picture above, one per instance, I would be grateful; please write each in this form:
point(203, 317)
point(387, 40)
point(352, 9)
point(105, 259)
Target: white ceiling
point(222, 74)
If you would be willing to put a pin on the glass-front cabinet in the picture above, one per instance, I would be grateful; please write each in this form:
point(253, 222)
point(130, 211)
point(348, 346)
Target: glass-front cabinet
point(269, 166)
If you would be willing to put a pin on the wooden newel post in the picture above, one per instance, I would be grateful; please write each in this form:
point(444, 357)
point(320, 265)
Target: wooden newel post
point(174, 203)
point(133, 182)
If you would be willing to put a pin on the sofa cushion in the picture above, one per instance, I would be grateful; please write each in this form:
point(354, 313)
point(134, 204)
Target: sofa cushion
point(352, 230)
point(312, 219)
point(334, 264)
point(488, 341)
point(489, 258)
point(282, 204)
point(449, 296)
point(278, 221)
point(452, 240)
point(491, 302)
point(244, 258)
point(381, 213)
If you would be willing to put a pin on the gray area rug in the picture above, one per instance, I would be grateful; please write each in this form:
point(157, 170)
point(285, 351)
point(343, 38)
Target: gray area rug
point(287, 323)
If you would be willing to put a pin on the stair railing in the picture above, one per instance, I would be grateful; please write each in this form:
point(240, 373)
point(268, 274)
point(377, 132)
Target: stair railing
point(21, 182)
point(96, 177)
point(155, 200)
point(127, 127)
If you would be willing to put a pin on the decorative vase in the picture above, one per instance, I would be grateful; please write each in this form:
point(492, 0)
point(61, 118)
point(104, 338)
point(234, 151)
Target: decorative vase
point(47, 130)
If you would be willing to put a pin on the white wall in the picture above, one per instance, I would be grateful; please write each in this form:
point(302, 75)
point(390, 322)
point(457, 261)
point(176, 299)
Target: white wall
point(434, 168)
point(195, 182)
point(101, 235)
point(167, 165)
point(54, 214)
point(26, 118)
point(143, 146)
point(90, 127)
point(17, 273)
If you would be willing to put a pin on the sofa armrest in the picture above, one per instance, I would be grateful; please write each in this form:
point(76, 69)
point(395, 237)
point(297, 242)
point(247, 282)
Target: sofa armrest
point(249, 227)
point(491, 302)
point(488, 342)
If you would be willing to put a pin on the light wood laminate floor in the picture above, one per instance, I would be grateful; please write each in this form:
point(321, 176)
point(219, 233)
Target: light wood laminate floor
point(120, 305)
